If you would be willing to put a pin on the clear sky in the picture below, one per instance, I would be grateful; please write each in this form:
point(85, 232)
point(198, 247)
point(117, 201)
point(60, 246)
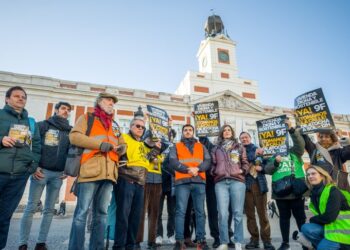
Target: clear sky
point(288, 46)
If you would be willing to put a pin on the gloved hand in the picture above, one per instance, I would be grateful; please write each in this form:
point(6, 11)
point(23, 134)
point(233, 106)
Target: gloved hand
point(106, 147)
point(121, 149)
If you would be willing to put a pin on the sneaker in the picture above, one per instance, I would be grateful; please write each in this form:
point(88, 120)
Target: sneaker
point(268, 246)
point(222, 247)
point(23, 247)
point(179, 245)
point(302, 240)
point(284, 246)
point(159, 240)
point(216, 243)
point(252, 245)
point(202, 245)
point(238, 246)
point(172, 240)
point(40, 246)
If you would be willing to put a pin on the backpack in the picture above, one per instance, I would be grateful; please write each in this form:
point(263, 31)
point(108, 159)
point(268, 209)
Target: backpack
point(75, 153)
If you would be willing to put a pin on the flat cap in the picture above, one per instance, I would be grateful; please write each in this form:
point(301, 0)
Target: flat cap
point(107, 95)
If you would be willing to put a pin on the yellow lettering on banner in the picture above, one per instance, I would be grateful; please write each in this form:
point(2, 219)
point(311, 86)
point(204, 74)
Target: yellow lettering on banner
point(274, 142)
point(159, 128)
point(304, 111)
point(267, 134)
point(155, 120)
point(211, 123)
point(202, 117)
point(313, 117)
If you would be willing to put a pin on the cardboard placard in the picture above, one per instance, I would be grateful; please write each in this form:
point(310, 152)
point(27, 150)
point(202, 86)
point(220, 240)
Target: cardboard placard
point(312, 112)
point(273, 135)
point(158, 122)
point(207, 118)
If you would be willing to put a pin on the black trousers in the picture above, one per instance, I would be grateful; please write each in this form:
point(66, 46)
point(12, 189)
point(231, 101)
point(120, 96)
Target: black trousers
point(170, 200)
point(286, 209)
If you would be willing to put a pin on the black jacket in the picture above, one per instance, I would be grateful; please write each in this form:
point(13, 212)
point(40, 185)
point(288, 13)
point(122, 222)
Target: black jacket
point(177, 166)
point(54, 134)
point(261, 179)
point(338, 154)
point(336, 202)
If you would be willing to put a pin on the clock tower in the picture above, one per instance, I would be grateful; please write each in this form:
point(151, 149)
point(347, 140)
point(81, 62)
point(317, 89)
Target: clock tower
point(217, 66)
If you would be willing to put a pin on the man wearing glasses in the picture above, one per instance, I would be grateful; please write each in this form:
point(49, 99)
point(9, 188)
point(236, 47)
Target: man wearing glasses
point(129, 191)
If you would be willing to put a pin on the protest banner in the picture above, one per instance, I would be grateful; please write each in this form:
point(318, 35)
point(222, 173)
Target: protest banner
point(312, 112)
point(158, 122)
point(207, 118)
point(272, 133)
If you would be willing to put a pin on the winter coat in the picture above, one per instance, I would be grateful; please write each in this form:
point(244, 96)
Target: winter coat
point(225, 168)
point(250, 180)
point(100, 166)
point(339, 155)
point(54, 134)
point(21, 158)
point(177, 166)
point(297, 150)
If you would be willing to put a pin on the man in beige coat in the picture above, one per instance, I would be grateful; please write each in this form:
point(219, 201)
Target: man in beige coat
point(98, 171)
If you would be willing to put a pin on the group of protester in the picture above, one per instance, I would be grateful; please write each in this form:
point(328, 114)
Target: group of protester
point(139, 171)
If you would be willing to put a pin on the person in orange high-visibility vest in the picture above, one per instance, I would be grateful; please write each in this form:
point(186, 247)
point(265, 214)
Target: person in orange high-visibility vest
point(98, 170)
point(190, 159)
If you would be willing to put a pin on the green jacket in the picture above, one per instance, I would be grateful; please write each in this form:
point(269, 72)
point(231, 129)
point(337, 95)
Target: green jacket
point(19, 159)
point(295, 153)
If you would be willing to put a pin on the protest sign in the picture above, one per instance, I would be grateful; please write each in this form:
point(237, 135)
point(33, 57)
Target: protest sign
point(312, 112)
point(158, 122)
point(272, 133)
point(207, 118)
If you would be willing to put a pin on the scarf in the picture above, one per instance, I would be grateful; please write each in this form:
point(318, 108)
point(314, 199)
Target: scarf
point(227, 144)
point(59, 122)
point(105, 118)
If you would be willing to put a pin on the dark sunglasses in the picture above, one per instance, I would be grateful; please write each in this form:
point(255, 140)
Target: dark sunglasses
point(140, 126)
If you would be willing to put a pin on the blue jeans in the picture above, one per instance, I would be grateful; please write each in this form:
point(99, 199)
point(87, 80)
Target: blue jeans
point(98, 195)
point(229, 190)
point(182, 193)
point(53, 183)
point(315, 233)
point(129, 198)
point(11, 191)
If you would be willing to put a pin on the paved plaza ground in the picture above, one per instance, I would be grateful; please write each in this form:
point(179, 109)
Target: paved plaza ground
point(60, 228)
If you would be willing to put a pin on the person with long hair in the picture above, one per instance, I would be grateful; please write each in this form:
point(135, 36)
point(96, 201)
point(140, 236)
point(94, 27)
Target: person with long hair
point(230, 165)
point(329, 227)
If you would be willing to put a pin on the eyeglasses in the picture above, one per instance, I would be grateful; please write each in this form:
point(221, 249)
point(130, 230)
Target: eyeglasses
point(140, 126)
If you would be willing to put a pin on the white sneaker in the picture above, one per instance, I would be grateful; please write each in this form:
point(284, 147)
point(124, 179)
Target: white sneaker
point(159, 240)
point(238, 246)
point(222, 247)
point(172, 239)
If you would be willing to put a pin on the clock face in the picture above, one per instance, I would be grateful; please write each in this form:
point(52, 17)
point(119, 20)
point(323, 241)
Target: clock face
point(223, 56)
point(204, 61)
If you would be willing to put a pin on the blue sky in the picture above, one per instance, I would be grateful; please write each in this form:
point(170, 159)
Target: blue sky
point(291, 46)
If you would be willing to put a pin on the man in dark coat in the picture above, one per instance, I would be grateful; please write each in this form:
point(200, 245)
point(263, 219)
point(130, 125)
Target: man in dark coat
point(19, 154)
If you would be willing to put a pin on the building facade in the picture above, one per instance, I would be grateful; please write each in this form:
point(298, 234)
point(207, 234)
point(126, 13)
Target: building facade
point(216, 79)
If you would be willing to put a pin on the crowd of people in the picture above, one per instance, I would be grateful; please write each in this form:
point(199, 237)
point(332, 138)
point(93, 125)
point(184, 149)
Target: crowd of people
point(139, 172)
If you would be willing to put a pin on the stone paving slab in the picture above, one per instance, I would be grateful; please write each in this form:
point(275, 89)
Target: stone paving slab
point(60, 228)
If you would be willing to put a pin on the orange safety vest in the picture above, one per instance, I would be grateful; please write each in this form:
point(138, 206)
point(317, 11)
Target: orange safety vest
point(189, 160)
point(98, 131)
